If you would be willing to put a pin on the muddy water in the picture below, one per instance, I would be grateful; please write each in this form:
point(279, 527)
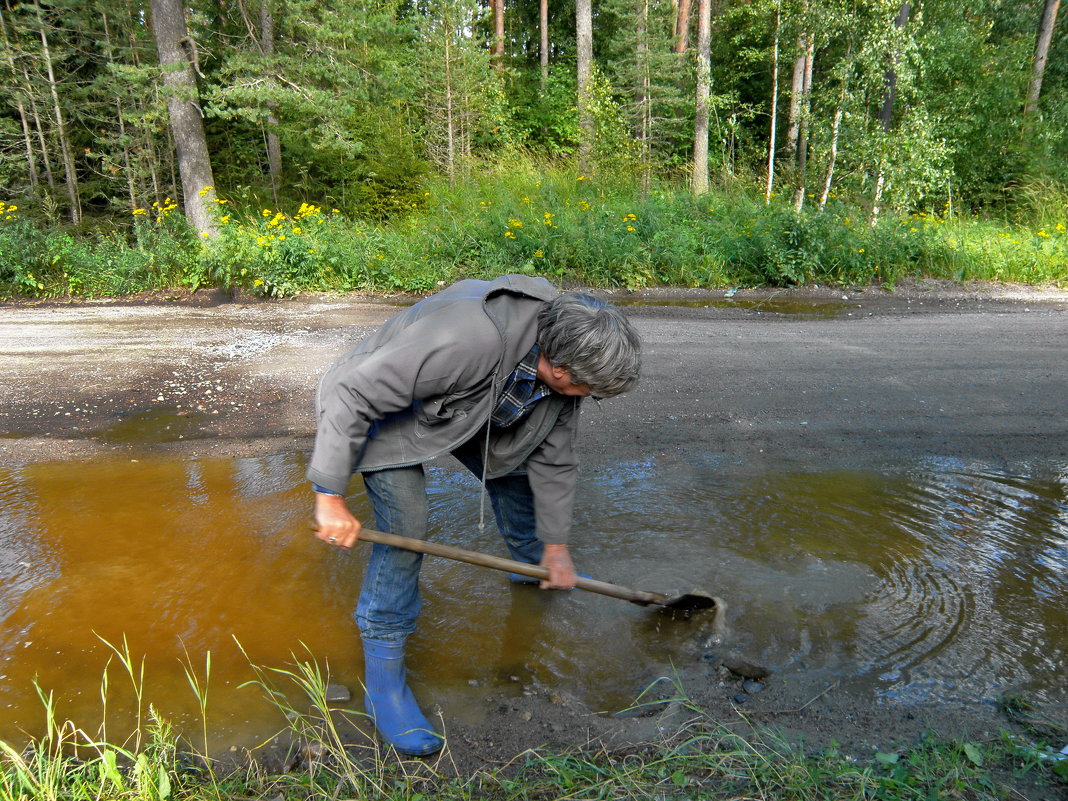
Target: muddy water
point(929, 579)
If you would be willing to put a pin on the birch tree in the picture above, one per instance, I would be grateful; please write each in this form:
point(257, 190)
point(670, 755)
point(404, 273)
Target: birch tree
point(704, 73)
point(584, 72)
point(774, 112)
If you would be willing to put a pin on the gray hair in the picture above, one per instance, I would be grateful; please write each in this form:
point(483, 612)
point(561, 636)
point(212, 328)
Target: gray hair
point(593, 340)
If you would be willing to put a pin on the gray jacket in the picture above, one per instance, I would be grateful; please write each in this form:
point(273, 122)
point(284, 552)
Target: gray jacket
point(427, 381)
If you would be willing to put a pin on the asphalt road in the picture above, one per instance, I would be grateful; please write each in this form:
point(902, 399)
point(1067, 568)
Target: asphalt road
point(821, 377)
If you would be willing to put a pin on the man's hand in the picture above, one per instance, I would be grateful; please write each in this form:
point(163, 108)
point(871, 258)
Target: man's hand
point(561, 569)
point(335, 523)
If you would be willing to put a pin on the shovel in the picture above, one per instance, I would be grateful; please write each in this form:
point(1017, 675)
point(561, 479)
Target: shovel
point(686, 602)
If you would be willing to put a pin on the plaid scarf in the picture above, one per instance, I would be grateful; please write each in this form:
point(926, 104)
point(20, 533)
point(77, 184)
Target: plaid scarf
point(521, 391)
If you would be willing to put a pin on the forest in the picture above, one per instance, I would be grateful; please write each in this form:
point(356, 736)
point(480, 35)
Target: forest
point(389, 144)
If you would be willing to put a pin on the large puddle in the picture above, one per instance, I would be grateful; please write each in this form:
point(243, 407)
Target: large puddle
point(933, 579)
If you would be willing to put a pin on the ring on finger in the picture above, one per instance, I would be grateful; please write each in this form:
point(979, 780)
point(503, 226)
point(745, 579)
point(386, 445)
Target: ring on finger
point(332, 539)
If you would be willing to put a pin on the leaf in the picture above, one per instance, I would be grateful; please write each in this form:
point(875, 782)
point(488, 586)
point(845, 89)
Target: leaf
point(109, 768)
point(163, 784)
point(1061, 768)
point(886, 759)
point(975, 756)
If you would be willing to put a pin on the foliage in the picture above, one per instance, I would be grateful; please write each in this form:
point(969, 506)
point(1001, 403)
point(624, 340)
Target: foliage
point(598, 230)
point(157, 251)
point(367, 98)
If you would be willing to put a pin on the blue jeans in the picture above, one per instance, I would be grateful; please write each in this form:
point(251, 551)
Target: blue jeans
point(389, 600)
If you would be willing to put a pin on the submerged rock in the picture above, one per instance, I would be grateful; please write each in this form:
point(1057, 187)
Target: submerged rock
point(337, 694)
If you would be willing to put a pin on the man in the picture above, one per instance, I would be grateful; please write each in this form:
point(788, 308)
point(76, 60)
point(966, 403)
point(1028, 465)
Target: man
point(492, 372)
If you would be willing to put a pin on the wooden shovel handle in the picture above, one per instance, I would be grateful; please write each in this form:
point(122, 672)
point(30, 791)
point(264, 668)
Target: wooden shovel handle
point(507, 565)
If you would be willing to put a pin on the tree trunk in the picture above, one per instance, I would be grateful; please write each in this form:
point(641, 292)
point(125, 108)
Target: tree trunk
point(704, 72)
point(877, 200)
point(774, 102)
point(1038, 65)
point(584, 37)
point(187, 126)
point(543, 53)
point(831, 158)
point(682, 27)
point(802, 128)
point(886, 113)
point(643, 129)
point(70, 174)
point(797, 82)
point(28, 142)
point(274, 147)
point(21, 108)
point(498, 33)
point(49, 176)
point(450, 113)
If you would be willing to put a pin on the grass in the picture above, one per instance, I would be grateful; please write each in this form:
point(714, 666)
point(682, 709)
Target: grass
point(572, 228)
point(707, 760)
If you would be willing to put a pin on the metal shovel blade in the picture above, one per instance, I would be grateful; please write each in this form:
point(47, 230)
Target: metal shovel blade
point(686, 602)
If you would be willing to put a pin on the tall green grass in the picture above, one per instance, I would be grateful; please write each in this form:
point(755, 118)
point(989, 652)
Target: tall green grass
point(152, 761)
point(550, 221)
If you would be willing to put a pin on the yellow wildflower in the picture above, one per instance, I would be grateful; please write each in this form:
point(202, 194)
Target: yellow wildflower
point(538, 254)
point(139, 212)
point(630, 228)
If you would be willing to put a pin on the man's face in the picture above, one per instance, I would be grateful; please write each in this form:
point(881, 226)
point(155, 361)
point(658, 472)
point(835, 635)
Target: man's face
point(558, 379)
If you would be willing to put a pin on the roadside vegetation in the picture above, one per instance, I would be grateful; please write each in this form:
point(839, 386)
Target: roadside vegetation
point(522, 217)
point(377, 145)
point(153, 761)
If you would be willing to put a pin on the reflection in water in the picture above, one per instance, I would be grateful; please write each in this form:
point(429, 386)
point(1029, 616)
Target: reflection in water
point(941, 579)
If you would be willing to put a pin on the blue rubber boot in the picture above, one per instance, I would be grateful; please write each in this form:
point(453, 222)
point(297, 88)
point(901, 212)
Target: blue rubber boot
point(390, 702)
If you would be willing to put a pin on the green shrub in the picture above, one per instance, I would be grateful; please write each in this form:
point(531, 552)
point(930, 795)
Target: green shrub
point(518, 216)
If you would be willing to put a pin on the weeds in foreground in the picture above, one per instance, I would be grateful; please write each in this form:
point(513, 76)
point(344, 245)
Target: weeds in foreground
point(703, 758)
